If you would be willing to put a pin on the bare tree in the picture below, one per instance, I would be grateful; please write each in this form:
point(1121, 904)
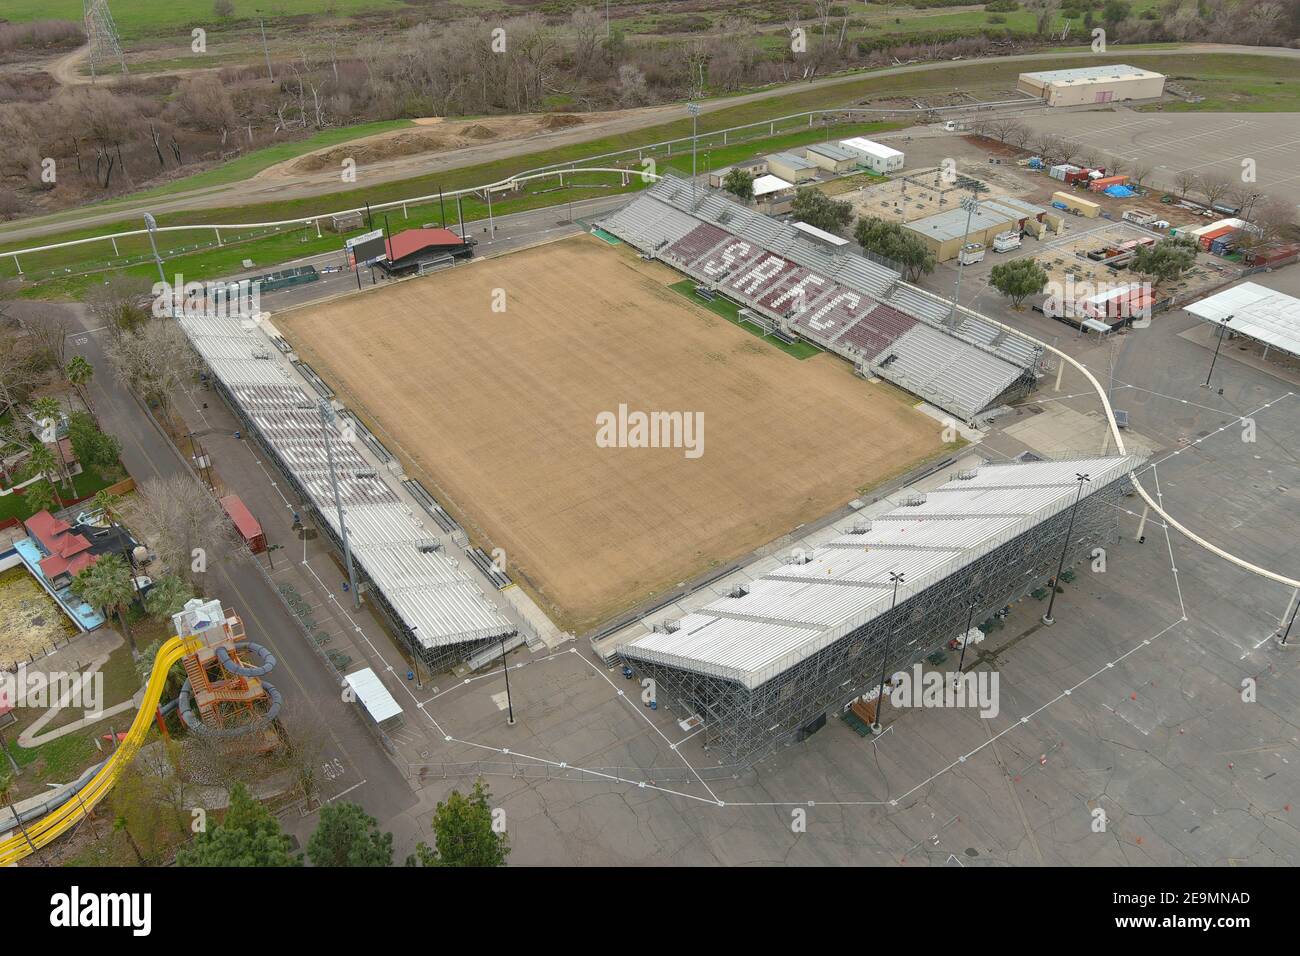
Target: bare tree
point(154, 359)
point(1140, 173)
point(1214, 186)
point(184, 525)
point(1184, 180)
point(119, 301)
point(48, 326)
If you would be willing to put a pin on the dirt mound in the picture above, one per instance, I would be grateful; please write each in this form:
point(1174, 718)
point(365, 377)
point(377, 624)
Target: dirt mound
point(374, 151)
point(478, 131)
point(559, 121)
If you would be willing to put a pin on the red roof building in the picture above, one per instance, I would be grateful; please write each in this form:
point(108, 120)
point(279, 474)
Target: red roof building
point(408, 248)
point(67, 554)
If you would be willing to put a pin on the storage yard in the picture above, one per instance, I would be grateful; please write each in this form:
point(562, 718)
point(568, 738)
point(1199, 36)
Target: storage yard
point(1066, 261)
point(496, 413)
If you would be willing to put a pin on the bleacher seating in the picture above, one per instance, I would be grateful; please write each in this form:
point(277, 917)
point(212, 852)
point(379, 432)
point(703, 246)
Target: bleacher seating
point(849, 304)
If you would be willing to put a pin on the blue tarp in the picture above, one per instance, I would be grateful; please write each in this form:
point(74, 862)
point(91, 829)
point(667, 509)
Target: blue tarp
point(1119, 192)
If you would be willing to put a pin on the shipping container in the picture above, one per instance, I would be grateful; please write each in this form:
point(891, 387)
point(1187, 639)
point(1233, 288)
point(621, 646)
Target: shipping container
point(1076, 204)
point(248, 527)
point(1100, 183)
point(1206, 239)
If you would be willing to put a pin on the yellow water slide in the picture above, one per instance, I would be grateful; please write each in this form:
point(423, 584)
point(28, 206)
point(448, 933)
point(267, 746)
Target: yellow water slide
point(54, 824)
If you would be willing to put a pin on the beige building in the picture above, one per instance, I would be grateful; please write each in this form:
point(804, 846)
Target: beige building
point(833, 158)
point(791, 168)
point(944, 233)
point(1084, 207)
point(1092, 84)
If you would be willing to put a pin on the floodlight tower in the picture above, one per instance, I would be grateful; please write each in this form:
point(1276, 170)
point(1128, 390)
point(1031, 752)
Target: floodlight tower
point(101, 32)
point(972, 205)
point(327, 417)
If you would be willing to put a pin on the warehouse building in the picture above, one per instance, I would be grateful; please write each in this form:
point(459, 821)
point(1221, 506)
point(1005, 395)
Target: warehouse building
point(1092, 84)
point(792, 168)
point(875, 156)
point(755, 168)
point(944, 232)
point(771, 661)
point(833, 158)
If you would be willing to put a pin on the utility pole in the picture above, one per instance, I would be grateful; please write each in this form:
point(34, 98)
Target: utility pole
point(326, 419)
point(265, 50)
point(1081, 478)
point(1223, 327)
point(972, 205)
point(897, 578)
point(965, 638)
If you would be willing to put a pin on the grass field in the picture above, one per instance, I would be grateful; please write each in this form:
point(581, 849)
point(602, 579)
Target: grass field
point(497, 413)
point(142, 18)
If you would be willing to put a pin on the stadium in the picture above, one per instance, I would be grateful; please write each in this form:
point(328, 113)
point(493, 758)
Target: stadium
point(473, 395)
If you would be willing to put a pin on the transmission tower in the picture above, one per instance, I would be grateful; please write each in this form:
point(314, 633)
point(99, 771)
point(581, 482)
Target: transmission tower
point(101, 31)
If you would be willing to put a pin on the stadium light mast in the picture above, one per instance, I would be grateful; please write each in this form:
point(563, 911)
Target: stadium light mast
point(897, 578)
point(972, 205)
point(1082, 478)
point(152, 225)
point(1223, 327)
point(265, 50)
point(694, 110)
point(326, 419)
point(965, 638)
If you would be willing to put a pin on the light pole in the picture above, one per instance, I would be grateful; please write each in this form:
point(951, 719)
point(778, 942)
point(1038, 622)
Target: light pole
point(897, 578)
point(1223, 326)
point(1081, 478)
point(970, 617)
point(326, 417)
point(694, 110)
point(972, 205)
point(506, 669)
point(152, 225)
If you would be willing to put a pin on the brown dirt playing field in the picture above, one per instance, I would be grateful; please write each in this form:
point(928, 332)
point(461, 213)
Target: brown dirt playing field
point(497, 414)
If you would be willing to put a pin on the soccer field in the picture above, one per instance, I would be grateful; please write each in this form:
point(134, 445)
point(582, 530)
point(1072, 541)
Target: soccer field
point(497, 413)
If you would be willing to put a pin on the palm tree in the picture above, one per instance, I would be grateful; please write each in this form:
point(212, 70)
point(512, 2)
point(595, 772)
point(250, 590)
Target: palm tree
point(79, 373)
point(41, 461)
point(108, 584)
point(40, 497)
point(49, 410)
point(167, 597)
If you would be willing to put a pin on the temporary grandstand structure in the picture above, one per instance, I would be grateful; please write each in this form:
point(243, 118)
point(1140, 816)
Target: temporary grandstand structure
point(843, 302)
point(810, 637)
point(437, 609)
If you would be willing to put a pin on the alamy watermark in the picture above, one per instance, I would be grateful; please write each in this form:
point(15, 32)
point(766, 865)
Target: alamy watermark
point(57, 689)
point(207, 300)
point(975, 689)
point(636, 429)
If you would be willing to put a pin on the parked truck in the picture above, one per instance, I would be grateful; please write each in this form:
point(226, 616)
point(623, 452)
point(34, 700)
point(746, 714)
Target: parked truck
point(971, 253)
point(1006, 241)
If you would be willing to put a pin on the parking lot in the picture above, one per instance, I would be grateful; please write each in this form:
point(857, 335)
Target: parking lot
point(1200, 142)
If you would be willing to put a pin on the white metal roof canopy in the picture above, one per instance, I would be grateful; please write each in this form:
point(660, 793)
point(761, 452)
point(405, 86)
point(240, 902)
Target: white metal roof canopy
point(374, 696)
point(1260, 313)
point(781, 621)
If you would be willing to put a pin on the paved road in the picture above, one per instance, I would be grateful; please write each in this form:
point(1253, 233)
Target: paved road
point(248, 192)
point(352, 763)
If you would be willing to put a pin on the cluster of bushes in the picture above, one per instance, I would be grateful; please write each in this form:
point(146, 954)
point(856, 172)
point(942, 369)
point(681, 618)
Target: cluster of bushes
point(40, 35)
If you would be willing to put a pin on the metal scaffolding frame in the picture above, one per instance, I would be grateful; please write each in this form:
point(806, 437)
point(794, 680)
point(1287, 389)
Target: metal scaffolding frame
point(101, 31)
point(748, 724)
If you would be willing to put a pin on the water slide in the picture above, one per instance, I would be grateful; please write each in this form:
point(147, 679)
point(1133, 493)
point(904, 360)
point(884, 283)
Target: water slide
point(19, 844)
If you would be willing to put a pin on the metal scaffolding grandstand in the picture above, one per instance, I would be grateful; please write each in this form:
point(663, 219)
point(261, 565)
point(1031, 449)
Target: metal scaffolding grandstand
point(803, 641)
point(843, 302)
point(438, 611)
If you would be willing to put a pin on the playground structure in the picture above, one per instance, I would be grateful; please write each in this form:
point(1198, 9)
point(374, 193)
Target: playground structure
point(233, 703)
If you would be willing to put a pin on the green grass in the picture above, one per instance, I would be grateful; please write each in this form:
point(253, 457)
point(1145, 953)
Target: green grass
point(144, 18)
point(86, 484)
point(1227, 95)
point(731, 312)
